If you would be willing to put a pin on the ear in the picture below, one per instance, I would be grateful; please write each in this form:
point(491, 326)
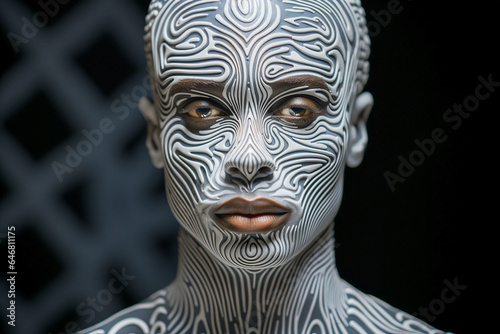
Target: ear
point(358, 136)
point(147, 107)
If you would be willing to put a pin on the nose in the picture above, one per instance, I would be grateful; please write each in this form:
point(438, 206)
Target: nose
point(249, 157)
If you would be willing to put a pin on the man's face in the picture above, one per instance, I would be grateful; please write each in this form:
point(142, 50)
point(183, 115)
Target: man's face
point(254, 100)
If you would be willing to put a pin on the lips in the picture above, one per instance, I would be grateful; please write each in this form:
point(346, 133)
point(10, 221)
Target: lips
point(257, 216)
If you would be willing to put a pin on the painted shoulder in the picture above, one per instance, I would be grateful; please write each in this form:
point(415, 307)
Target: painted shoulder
point(368, 314)
point(143, 318)
point(363, 314)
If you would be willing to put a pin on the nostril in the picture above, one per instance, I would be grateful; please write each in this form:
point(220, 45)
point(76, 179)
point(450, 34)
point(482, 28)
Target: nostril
point(262, 171)
point(233, 171)
point(265, 170)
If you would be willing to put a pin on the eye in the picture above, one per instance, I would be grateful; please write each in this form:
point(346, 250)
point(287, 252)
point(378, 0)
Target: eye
point(295, 112)
point(300, 111)
point(201, 109)
point(200, 114)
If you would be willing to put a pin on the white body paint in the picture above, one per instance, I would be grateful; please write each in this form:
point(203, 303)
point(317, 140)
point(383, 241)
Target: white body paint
point(246, 58)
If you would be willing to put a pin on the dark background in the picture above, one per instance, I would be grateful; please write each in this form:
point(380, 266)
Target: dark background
point(109, 214)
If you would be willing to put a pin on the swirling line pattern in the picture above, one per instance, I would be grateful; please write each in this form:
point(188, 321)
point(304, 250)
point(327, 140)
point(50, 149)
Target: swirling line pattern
point(247, 56)
point(265, 41)
point(305, 296)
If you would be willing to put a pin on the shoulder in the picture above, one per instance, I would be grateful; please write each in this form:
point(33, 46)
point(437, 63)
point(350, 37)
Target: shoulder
point(142, 318)
point(368, 314)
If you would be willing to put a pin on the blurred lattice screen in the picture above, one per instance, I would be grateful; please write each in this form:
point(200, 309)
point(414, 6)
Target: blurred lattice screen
point(94, 233)
point(105, 216)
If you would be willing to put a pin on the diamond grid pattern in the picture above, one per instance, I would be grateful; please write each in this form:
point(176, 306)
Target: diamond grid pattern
point(30, 125)
point(74, 230)
point(109, 212)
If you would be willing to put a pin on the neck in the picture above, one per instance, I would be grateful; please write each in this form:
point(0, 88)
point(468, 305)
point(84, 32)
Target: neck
point(225, 299)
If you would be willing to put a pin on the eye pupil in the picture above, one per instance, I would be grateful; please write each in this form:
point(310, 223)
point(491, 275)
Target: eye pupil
point(204, 112)
point(296, 111)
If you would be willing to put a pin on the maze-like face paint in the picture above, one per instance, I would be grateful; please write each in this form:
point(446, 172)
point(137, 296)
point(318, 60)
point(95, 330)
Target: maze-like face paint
point(253, 100)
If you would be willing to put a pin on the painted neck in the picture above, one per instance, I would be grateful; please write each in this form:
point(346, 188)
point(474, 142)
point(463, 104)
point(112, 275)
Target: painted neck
point(227, 299)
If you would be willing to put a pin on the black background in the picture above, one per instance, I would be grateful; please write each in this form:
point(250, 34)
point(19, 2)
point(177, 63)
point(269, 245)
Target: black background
point(402, 246)
point(438, 225)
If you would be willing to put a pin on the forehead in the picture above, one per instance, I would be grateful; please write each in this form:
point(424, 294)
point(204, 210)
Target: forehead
point(245, 43)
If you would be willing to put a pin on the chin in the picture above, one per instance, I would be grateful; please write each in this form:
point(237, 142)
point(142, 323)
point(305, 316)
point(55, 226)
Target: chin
point(255, 252)
point(261, 251)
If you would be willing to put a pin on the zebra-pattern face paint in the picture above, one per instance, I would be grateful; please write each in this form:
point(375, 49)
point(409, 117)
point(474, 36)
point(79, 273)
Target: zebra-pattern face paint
point(253, 100)
point(304, 296)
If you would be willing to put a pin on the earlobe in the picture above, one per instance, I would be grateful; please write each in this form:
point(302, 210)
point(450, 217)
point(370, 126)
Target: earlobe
point(147, 107)
point(358, 136)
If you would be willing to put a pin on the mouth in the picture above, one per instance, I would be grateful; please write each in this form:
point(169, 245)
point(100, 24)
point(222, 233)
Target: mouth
point(257, 216)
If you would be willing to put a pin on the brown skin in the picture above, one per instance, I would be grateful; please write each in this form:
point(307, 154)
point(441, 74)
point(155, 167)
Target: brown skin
point(257, 216)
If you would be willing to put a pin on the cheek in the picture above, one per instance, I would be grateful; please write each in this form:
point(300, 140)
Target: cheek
point(308, 160)
point(193, 159)
point(311, 167)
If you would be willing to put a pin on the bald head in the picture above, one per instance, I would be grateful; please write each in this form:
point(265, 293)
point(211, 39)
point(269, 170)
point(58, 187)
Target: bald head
point(248, 45)
point(256, 102)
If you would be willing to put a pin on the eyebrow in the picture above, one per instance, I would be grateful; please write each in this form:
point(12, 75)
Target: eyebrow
point(210, 86)
point(279, 86)
point(309, 81)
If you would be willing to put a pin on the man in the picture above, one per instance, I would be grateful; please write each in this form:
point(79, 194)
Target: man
point(258, 107)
